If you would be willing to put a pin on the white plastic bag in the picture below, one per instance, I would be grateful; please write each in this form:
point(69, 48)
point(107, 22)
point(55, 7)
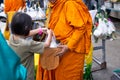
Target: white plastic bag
point(53, 44)
point(36, 14)
point(93, 14)
point(111, 27)
point(101, 29)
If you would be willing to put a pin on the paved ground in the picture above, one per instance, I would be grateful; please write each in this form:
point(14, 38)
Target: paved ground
point(112, 55)
point(112, 59)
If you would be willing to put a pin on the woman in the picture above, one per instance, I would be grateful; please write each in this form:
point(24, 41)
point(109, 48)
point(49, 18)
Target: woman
point(72, 24)
point(10, 65)
point(21, 26)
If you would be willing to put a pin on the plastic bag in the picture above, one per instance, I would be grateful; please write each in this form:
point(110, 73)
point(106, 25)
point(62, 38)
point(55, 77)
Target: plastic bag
point(101, 30)
point(93, 14)
point(111, 27)
point(53, 44)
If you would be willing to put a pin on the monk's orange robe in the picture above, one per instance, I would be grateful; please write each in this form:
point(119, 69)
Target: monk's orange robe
point(72, 25)
point(13, 5)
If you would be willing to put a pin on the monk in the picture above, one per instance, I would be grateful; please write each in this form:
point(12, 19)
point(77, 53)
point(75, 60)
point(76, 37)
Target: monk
point(11, 6)
point(72, 25)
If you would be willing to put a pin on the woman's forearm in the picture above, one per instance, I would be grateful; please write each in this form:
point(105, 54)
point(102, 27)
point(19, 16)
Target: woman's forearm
point(48, 39)
point(33, 32)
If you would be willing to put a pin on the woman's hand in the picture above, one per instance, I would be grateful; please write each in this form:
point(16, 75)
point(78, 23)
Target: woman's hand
point(44, 30)
point(49, 37)
point(49, 32)
point(64, 49)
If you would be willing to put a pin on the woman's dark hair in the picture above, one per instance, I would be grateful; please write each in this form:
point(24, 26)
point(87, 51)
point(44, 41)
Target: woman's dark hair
point(21, 24)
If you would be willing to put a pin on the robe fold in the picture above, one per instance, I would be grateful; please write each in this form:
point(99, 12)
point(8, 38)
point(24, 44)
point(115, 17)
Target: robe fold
point(13, 5)
point(72, 25)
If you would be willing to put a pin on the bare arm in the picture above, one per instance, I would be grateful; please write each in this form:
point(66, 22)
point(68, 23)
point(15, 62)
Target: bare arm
point(45, 30)
point(49, 38)
point(35, 31)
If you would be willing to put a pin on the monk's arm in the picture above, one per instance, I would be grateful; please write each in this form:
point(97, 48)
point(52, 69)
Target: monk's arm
point(75, 20)
point(75, 38)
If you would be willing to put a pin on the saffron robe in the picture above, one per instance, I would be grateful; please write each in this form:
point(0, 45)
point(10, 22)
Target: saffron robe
point(72, 25)
point(13, 5)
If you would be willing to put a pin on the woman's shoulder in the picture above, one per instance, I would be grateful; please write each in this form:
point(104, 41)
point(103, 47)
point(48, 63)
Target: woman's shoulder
point(19, 41)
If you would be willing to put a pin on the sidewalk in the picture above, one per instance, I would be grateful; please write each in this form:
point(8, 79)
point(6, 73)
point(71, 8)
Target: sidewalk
point(112, 56)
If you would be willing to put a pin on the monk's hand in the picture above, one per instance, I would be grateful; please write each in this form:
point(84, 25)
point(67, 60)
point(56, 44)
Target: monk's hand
point(64, 49)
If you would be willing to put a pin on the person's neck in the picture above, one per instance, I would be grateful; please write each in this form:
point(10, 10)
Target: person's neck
point(16, 37)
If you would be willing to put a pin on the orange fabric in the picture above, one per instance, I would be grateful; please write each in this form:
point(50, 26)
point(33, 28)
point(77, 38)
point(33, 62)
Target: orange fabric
point(13, 5)
point(70, 68)
point(43, 74)
point(9, 19)
point(10, 15)
point(72, 25)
